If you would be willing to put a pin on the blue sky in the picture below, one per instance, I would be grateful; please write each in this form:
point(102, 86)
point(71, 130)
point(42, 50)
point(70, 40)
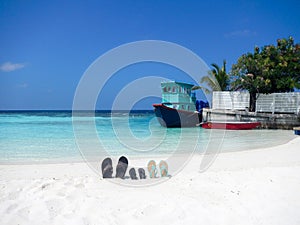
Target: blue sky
point(46, 46)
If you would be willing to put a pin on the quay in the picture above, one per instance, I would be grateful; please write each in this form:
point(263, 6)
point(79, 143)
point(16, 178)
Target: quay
point(268, 120)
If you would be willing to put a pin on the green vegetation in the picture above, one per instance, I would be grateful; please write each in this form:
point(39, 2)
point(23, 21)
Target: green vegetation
point(269, 69)
point(217, 79)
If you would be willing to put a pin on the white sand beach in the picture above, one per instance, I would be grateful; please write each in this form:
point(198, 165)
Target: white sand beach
point(250, 187)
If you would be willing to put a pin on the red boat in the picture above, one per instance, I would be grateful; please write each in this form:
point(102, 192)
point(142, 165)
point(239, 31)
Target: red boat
point(233, 125)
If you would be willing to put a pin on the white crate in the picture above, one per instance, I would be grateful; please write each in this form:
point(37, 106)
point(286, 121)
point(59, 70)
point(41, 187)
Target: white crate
point(234, 100)
point(278, 102)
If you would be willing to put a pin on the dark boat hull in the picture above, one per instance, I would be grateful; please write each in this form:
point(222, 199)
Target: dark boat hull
point(230, 125)
point(169, 117)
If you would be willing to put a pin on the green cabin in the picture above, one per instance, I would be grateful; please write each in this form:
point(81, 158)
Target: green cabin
point(178, 95)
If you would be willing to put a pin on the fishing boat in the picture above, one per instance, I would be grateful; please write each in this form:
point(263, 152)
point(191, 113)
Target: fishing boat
point(230, 125)
point(179, 107)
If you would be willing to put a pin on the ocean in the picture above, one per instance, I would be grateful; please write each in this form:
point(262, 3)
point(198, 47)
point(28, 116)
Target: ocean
point(57, 136)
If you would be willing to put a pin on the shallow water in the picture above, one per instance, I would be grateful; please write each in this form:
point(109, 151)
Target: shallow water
point(49, 136)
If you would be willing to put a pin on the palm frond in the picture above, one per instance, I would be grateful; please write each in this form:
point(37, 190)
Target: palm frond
point(206, 90)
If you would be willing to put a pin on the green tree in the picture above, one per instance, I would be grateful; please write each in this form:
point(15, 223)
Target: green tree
point(269, 69)
point(217, 79)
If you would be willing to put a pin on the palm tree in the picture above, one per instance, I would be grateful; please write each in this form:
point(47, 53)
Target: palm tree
point(217, 79)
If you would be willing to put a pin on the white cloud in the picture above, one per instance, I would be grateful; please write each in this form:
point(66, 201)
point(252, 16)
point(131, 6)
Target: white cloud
point(9, 67)
point(240, 33)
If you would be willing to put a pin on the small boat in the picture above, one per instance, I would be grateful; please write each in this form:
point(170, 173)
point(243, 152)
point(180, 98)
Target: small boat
point(179, 107)
point(230, 125)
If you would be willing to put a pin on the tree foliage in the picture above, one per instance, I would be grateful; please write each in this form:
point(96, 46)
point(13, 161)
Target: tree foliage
point(220, 76)
point(217, 79)
point(269, 69)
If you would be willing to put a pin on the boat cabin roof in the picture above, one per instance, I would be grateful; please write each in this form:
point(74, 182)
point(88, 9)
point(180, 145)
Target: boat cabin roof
point(176, 83)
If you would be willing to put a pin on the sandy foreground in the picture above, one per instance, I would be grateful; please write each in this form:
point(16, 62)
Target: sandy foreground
point(251, 187)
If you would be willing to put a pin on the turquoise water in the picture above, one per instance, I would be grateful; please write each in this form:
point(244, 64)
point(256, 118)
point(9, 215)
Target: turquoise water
point(48, 136)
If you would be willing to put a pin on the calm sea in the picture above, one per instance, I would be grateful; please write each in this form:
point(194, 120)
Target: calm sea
point(56, 136)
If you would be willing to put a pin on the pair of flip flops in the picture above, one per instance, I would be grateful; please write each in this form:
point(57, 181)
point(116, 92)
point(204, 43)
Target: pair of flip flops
point(133, 175)
point(107, 168)
point(152, 169)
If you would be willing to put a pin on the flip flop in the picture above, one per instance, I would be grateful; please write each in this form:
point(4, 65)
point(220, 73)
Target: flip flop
point(163, 166)
point(106, 167)
point(152, 169)
point(142, 173)
point(122, 167)
point(132, 174)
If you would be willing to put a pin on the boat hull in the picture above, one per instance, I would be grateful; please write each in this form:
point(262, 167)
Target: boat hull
point(169, 117)
point(230, 125)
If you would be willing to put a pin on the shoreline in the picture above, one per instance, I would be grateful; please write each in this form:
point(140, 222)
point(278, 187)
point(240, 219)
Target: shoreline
point(195, 156)
point(81, 159)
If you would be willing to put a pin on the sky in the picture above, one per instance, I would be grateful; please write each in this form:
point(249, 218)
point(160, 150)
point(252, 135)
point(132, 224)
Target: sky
point(46, 46)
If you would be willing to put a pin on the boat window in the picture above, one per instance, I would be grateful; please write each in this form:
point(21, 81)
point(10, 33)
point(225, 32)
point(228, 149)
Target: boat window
point(165, 89)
